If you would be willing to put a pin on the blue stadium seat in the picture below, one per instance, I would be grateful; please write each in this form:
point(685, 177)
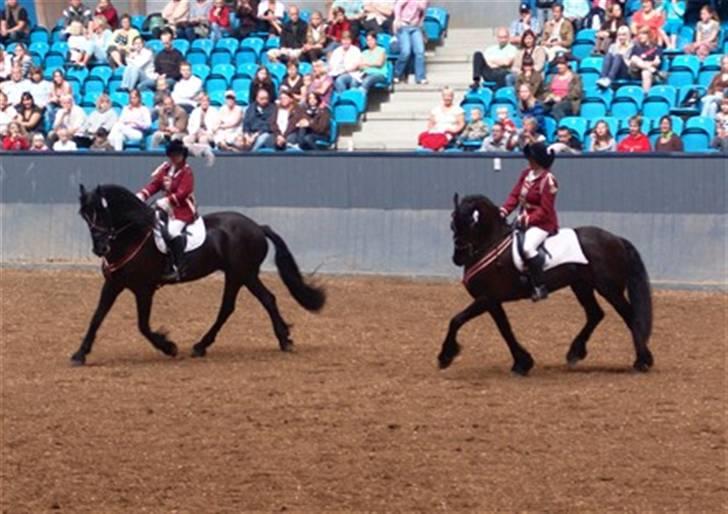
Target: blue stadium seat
point(94, 85)
point(75, 87)
point(247, 70)
point(484, 94)
point(348, 108)
point(506, 95)
point(385, 41)
point(216, 83)
point(694, 142)
point(589, 78)
point(196, 56)
point(182, 45)
point(118, 72)
point(226, 70)
point(74, 72)
point(435, 23)
point(148, 98)
point(252, 46)
point(701, 124)
point(711, 63)
point(277, 70)
point(305, 68)
point(593, 64)
point(593, 93)
point(119, 98)
point(305, 15)
point(682, 94)
point(155, 45)
point(59, 47)
point(220, 56)
point(683, 70)
point(228, 43)
point(549, 128)
point(582, 50)
point(586, 36)
point(113, 85)
point(201, 70)
point(56, 34)
point(242, 96)
point(217, 97)
point(331, 141)
point(40, 35)
point(706, 77)
point(36, 59)
point(204, 45)
point(685, 36)
point(240, 83)
point(660, 99)
point(102, 72)
point(577, 125)
point(39, 47)
point(593, 109)
point(137, 21)
point(627, 101)
point(355, 96)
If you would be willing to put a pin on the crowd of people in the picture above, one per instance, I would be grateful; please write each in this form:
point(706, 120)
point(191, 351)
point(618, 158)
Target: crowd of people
point(632, 49)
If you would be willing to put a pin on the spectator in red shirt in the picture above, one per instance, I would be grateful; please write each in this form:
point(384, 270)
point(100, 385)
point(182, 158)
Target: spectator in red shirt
point(636, 141)
point(219, 20)
point(108, 11)
point(15, 139)
point(336, 30)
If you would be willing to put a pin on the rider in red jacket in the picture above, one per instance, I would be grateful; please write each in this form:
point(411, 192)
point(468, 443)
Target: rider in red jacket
point(535, 195)
point(177, 182)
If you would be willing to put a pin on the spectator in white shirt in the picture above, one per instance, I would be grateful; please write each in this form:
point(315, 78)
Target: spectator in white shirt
point(16, 86)
point(80, 47)
point(271, 13)
point(378, 16)
point(203, 123)
point(344, 60)
point(64, 143)
point(7, 113)
point(135, 119)
point(103, 117)
point(6, 64)
point(187, 88)
point(39, 88)
point(70, 117)
point(231, 122)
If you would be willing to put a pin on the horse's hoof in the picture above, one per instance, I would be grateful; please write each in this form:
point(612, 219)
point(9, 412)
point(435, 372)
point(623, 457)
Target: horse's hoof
point(573, 358)
point(447, 357)
point(171, 350)
point(523, 366)
point(78, 360)
point(198, 352)
point(641, 366)
point(287, 346)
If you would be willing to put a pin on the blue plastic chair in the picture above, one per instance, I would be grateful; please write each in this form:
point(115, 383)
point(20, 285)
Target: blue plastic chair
point(549, 128)
point(205, 45)
point(240, 83)
point(683, 70)
point(356, 96)
point(591, 64)
point(277, 70)
point(711, 63)
point(148, 99)
point(113, 85)
point(254, 45)
point(201, 70)
point(196, 56)
point(225, 70)
point(216, 83)
point(228, 43)
point(695, 142)
point(576, 124)
point(90, 98)
point(155, 45)
point(242, 95)
point(217, 97)
point(605, 95)
point(332, 140)
point(305, 68)
point(182, 45)
point(484, 94)
point(220, 56)
point(79, 74)
point(701, 124)
point(586, 36)
point(589, 79)
point(682, 94)
point(59, 47)
point(592, 109)
point(39, 47)
point(248, 69)
point(706, 77)
point(56, 34)
point(137, 21)
point(506, 95)
point(119, 98)
point(94, 85)
point(40, 35)
point(582, 50)
point(102, 72)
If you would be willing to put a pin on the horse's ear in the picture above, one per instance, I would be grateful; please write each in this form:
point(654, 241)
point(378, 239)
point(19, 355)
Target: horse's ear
point(456, 200)
point(82, 190)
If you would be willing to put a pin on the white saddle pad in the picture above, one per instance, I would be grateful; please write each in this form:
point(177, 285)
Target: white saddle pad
point(195, 232)
point(562, 248)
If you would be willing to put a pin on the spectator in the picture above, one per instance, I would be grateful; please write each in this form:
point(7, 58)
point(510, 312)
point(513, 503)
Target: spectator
point(197, 23)
point(79, 45)
point(101, 141)
point(353, 11)
point(38, 143)
point(168, 61)
point(721, 119)
point(344, 61)
point(21, 58)
point(475, 130)
point(497, 141)
point(446, 122)
point(64, 143)
point(185, 91)
point(716, 90)
point(494, 64)
point(529, 133)
point(526, 22)
point(293, 81)
point(558, 33)
point(16, 86)
point(607, 34)
point(76, 11)
point(645, 58)
point(601, 139)
point(100, 38)
point(636, 141)
point(176, 14)
point(566, 142)
point(616, 62)
point(162, 90)
point(668, 141)
point(134, 121)
point(720, 141)
point(371, 70)
point(247, 14)
point(316, 39)
point(28, 114)
point(293, 37)
point(692, 11)
point(139, 69)
point(306, 87)
point(39, 88)
point(378, 16)
point(219, 20)
point(59, 88)
point(529, 49)
point(530, 78)
point(286, 115)
point(322, 83)
point(528, 105)
point(103, 117)
point(502, 115)
point(14, 23)
point(409, 17)
point(575, 11)
point(16, 139)
point(564, 92)
point(202, 125)
point(108, 11)
point(651, 19)
point(231, 122)
point(172, 123)
point(122, 42)
point(336, 30)
point(262, 80)
point(314, 125)
point(706, 34)
point(270, 16)
point(6, 64)
point(596, 16)
point(257, 122)
point(7, 113)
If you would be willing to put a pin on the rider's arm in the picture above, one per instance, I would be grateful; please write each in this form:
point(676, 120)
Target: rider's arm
point(155, 184)
point(512, 200)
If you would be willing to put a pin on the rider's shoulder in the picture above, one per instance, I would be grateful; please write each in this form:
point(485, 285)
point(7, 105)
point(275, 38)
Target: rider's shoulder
point(162, 168)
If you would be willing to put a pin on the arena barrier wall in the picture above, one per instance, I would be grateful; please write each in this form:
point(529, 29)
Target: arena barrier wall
point(386, 213)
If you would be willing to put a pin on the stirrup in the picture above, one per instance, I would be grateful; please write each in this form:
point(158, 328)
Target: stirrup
point(539, 293)
point(172, 276)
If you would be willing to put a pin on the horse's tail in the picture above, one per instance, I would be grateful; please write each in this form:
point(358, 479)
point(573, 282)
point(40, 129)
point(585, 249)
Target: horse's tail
point(638, 289)
point(309, 297)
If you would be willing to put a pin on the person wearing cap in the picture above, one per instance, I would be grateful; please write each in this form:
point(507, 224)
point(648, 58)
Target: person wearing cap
point(175, 180)
point(230, 117)
point(535, 197)
point(172, 123)
point(564, 92)
point(526, 21)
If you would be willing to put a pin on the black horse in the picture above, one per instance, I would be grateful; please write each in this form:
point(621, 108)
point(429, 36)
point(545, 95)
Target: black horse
point(121, 230)
point(614, 266)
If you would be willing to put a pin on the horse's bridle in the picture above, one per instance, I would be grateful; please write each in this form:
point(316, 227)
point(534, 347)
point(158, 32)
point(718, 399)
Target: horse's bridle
point(109, 233)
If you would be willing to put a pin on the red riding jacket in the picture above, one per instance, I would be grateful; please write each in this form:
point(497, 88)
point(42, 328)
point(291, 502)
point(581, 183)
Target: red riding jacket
point(537, 198)
point(179, 188)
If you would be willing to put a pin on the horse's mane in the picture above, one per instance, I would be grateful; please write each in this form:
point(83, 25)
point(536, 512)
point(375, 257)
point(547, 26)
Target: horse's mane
point(125, 205)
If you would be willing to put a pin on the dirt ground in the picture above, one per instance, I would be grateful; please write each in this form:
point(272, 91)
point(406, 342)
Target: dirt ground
point(359, 417)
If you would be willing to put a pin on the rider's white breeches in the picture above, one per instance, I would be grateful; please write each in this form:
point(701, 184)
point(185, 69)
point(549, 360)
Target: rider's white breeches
point(532, 240)
point(175, 227)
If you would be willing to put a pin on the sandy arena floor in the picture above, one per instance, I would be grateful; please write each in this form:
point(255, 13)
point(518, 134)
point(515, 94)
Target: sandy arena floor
point(359, 418)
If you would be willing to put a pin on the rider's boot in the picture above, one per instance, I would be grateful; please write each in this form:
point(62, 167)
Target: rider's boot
point(536, 275)
point(176, 252)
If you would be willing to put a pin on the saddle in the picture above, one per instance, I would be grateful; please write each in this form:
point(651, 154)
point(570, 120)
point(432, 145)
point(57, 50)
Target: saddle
point(194, 234)
point(560, 248)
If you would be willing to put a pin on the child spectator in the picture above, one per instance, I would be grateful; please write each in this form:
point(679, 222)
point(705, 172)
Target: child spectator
point(336, 29)
point(38, 143)
point(101, 141)
point(601, 139)
point(706, 34)
point(502, 115)
point(16, 139)
point(475, 130)
point(64, 142)
point(636, 141)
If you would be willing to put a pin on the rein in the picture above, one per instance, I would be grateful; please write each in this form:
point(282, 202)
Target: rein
point(472, 271)
point(108, 268)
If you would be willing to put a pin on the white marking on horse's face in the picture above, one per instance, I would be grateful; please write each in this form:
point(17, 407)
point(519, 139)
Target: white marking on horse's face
point(476, 216)
point(104, 203)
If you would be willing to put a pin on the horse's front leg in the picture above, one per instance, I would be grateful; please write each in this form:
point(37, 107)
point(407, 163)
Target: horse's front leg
point(144, 309)
point(450, 347)
point(109, 293)
point(522, 360)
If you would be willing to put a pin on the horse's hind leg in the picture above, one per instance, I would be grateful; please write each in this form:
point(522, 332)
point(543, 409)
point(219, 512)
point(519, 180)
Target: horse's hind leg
point(644, 359)
point(144, 309)
point(594, 314)
point(227, 307)
point(522, 360)
point(268, 300)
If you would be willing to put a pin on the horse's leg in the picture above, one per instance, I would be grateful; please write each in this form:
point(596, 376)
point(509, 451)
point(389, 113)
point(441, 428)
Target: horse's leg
point(265, 297)
point(109, 293)
point(522, 360)
point(144, 308)
point(644, 359)
point(450, 347)
point(594, 314)
point(227, 307)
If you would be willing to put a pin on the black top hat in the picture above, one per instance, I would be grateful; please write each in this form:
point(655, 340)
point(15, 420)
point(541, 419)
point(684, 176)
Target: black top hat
point(176, 147)
point(538, 153)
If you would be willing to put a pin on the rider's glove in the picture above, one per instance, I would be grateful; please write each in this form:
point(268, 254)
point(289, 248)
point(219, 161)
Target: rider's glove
point(163, 203)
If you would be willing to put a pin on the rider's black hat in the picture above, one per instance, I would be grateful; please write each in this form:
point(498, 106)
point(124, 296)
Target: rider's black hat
point(538, 153)
point(176, 147)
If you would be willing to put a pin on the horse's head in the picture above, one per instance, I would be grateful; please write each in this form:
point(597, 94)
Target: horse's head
point(475, 221)
point(97, 214)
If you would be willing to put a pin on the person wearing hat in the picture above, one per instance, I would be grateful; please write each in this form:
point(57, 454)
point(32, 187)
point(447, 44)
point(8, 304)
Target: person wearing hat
point(230, 117)
point(175, 180)
point(535, 196)
point(526, 21)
